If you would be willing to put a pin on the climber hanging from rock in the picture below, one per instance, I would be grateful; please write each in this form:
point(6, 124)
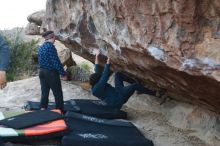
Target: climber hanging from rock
point(118, 95)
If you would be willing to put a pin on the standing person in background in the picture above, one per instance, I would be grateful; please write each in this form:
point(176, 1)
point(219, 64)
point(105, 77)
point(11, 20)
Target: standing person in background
point(50, 69)
point(4, 62)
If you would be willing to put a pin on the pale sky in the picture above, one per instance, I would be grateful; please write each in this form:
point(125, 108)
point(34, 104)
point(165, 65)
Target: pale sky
point(13, 13)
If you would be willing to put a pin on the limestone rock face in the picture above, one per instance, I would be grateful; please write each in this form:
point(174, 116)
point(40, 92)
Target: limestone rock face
point(165, 44)
point(64, 54)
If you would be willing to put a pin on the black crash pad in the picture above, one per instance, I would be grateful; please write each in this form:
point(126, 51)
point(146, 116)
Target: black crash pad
point(30, 119)
point(96, 108)
point(91, 131)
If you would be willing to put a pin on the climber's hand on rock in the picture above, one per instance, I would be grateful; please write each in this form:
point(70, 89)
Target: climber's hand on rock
point(108, 60)
point(98, 53)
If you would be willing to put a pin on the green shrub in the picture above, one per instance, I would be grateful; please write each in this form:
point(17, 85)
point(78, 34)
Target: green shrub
point(21, 52)
point(85, 66)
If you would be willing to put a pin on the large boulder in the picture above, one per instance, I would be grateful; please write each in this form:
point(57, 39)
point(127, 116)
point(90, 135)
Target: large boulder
point(36, 17)
point(64, 54)
point(165, 44)
point(32, 29)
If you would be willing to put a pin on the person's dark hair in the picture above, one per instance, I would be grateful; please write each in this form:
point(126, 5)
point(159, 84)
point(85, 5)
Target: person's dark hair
point(94, 78)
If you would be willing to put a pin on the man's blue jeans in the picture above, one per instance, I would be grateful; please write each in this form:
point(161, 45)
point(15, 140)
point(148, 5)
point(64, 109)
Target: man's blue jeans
point(126, 91)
